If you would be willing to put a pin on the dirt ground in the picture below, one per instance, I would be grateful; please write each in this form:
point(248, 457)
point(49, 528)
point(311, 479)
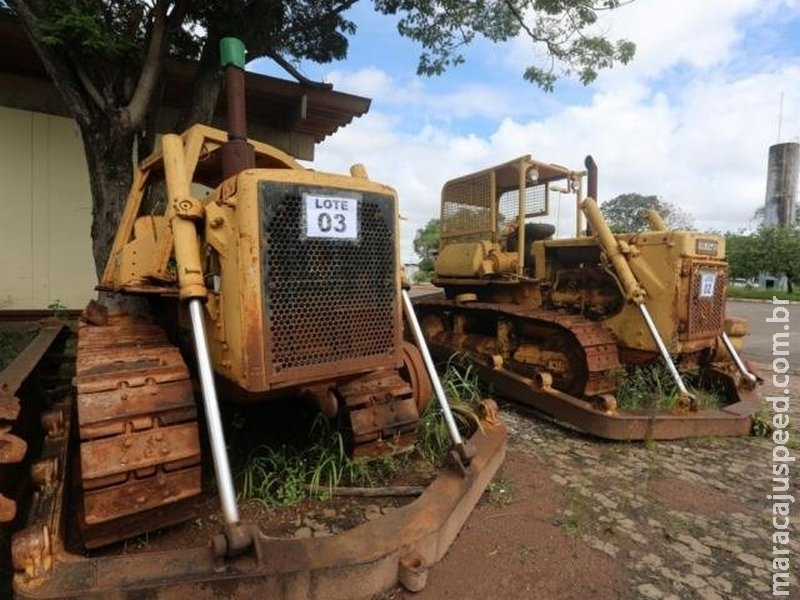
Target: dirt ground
point(571, 517)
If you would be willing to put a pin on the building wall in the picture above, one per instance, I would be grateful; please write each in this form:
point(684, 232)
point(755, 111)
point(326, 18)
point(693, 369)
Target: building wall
point(45, 213)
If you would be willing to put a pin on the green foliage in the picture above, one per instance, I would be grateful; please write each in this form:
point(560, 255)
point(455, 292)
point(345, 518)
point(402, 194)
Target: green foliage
point(11, 343)
point(761, 425)
point(778, 251)
point(462, 389)
point(741, 256)
point(652, 387)
point(112, 34)
point(500, 491)
point(771, 249)
point(426, 243)
point(562, 32)
point(626, 213)
point(59, 309)
point(757, 293)
point(287, 474)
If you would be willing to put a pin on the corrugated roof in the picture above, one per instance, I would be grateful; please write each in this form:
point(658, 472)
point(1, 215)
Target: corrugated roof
point(272, 102)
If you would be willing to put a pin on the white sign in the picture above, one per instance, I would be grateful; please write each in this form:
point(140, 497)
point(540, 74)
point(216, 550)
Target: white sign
point(708, 280)
point(331, 217)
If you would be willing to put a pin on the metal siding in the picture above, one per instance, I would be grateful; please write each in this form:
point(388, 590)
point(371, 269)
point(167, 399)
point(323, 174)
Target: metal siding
point(45, 215)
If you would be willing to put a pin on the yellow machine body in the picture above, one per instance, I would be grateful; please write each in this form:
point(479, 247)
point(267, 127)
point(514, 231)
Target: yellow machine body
point(555, 321)
point(283, 307)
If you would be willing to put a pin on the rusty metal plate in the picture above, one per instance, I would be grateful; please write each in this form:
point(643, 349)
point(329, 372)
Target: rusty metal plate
point(140, 449)
point(138, 495)
point(359, 563)
point(8, 509)
point(134, 451)
point(12, 447)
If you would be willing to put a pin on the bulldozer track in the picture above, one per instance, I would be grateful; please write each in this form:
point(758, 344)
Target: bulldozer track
point(44, 564)
point(382, 411)
point(572, 336)
point(35, 388)
point(582, 397)
point(29, 385)
point(140, 459)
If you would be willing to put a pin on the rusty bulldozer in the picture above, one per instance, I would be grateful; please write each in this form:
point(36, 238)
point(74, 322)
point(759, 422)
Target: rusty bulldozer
point(559, 324)
point(287, 283)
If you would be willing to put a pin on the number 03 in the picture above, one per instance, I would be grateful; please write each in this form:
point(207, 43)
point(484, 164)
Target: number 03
point(336, 222)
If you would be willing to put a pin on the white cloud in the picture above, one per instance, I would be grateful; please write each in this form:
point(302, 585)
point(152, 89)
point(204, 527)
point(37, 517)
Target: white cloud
point(669, 32)
point(699, 140)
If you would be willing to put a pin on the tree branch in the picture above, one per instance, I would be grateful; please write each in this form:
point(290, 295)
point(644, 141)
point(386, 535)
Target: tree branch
point(289, 68)
point(64, 77)
point(136, 111)
point(90, 88)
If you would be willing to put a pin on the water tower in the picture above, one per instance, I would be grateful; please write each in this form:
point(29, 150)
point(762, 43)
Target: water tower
point(783, 168)
point(782, 174)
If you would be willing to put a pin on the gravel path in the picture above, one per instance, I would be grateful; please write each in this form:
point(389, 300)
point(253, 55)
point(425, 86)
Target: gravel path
point(687, 519)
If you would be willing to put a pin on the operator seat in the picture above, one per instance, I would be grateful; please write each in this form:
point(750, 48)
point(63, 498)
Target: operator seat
point(533, 233)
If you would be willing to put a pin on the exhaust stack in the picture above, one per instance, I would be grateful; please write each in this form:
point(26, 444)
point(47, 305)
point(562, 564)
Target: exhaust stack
point(237, 154)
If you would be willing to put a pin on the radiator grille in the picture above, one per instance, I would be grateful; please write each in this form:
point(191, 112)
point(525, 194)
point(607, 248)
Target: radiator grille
point(706, 312)
point(327, 300)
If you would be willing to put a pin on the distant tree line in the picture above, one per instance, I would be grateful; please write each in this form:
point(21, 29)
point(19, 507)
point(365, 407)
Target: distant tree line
point(770, 249)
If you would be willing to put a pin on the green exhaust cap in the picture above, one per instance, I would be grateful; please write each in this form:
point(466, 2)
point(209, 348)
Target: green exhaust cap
point(231, 52)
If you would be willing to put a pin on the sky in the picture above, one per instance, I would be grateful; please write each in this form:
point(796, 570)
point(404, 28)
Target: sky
point(713, 85)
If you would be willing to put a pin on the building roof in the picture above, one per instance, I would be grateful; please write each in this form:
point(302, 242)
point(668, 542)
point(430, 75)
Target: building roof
point(271, 102)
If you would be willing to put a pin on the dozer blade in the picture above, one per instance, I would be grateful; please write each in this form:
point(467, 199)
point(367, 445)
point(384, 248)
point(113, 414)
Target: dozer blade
point(360, 563)
point(584, 356)
point(734, 420)
point(18, 420)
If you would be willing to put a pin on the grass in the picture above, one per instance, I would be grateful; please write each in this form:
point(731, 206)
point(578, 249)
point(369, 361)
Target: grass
point(761, 423)
point(463, 390)
point(573, 520)
point(760, 294)
point(500, 492)
point(286, 474)
point(11, 343)
point(651, 387)
point(283, 474)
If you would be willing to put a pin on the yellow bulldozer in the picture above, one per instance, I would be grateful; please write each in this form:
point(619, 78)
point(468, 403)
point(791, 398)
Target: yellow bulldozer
point(561, 324)
point(287, 283)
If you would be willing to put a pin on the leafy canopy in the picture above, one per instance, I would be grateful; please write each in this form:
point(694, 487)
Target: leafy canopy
point(426, 244)
point(564, 35)
point(107, 58)
point(560, 31)
point(771, 249)
point(626, 213)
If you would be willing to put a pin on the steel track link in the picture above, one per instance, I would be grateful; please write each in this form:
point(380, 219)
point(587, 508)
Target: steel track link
point(383, 414)
point(574, 336)
point(139, 459)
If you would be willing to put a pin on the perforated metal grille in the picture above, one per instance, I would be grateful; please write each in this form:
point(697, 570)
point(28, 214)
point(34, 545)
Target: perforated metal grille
point(466, 208)
point(706, 313)
point(327, 300)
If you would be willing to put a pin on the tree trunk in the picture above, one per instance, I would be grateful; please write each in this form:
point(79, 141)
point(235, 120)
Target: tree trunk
point(205, 87)
point(109, 157)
